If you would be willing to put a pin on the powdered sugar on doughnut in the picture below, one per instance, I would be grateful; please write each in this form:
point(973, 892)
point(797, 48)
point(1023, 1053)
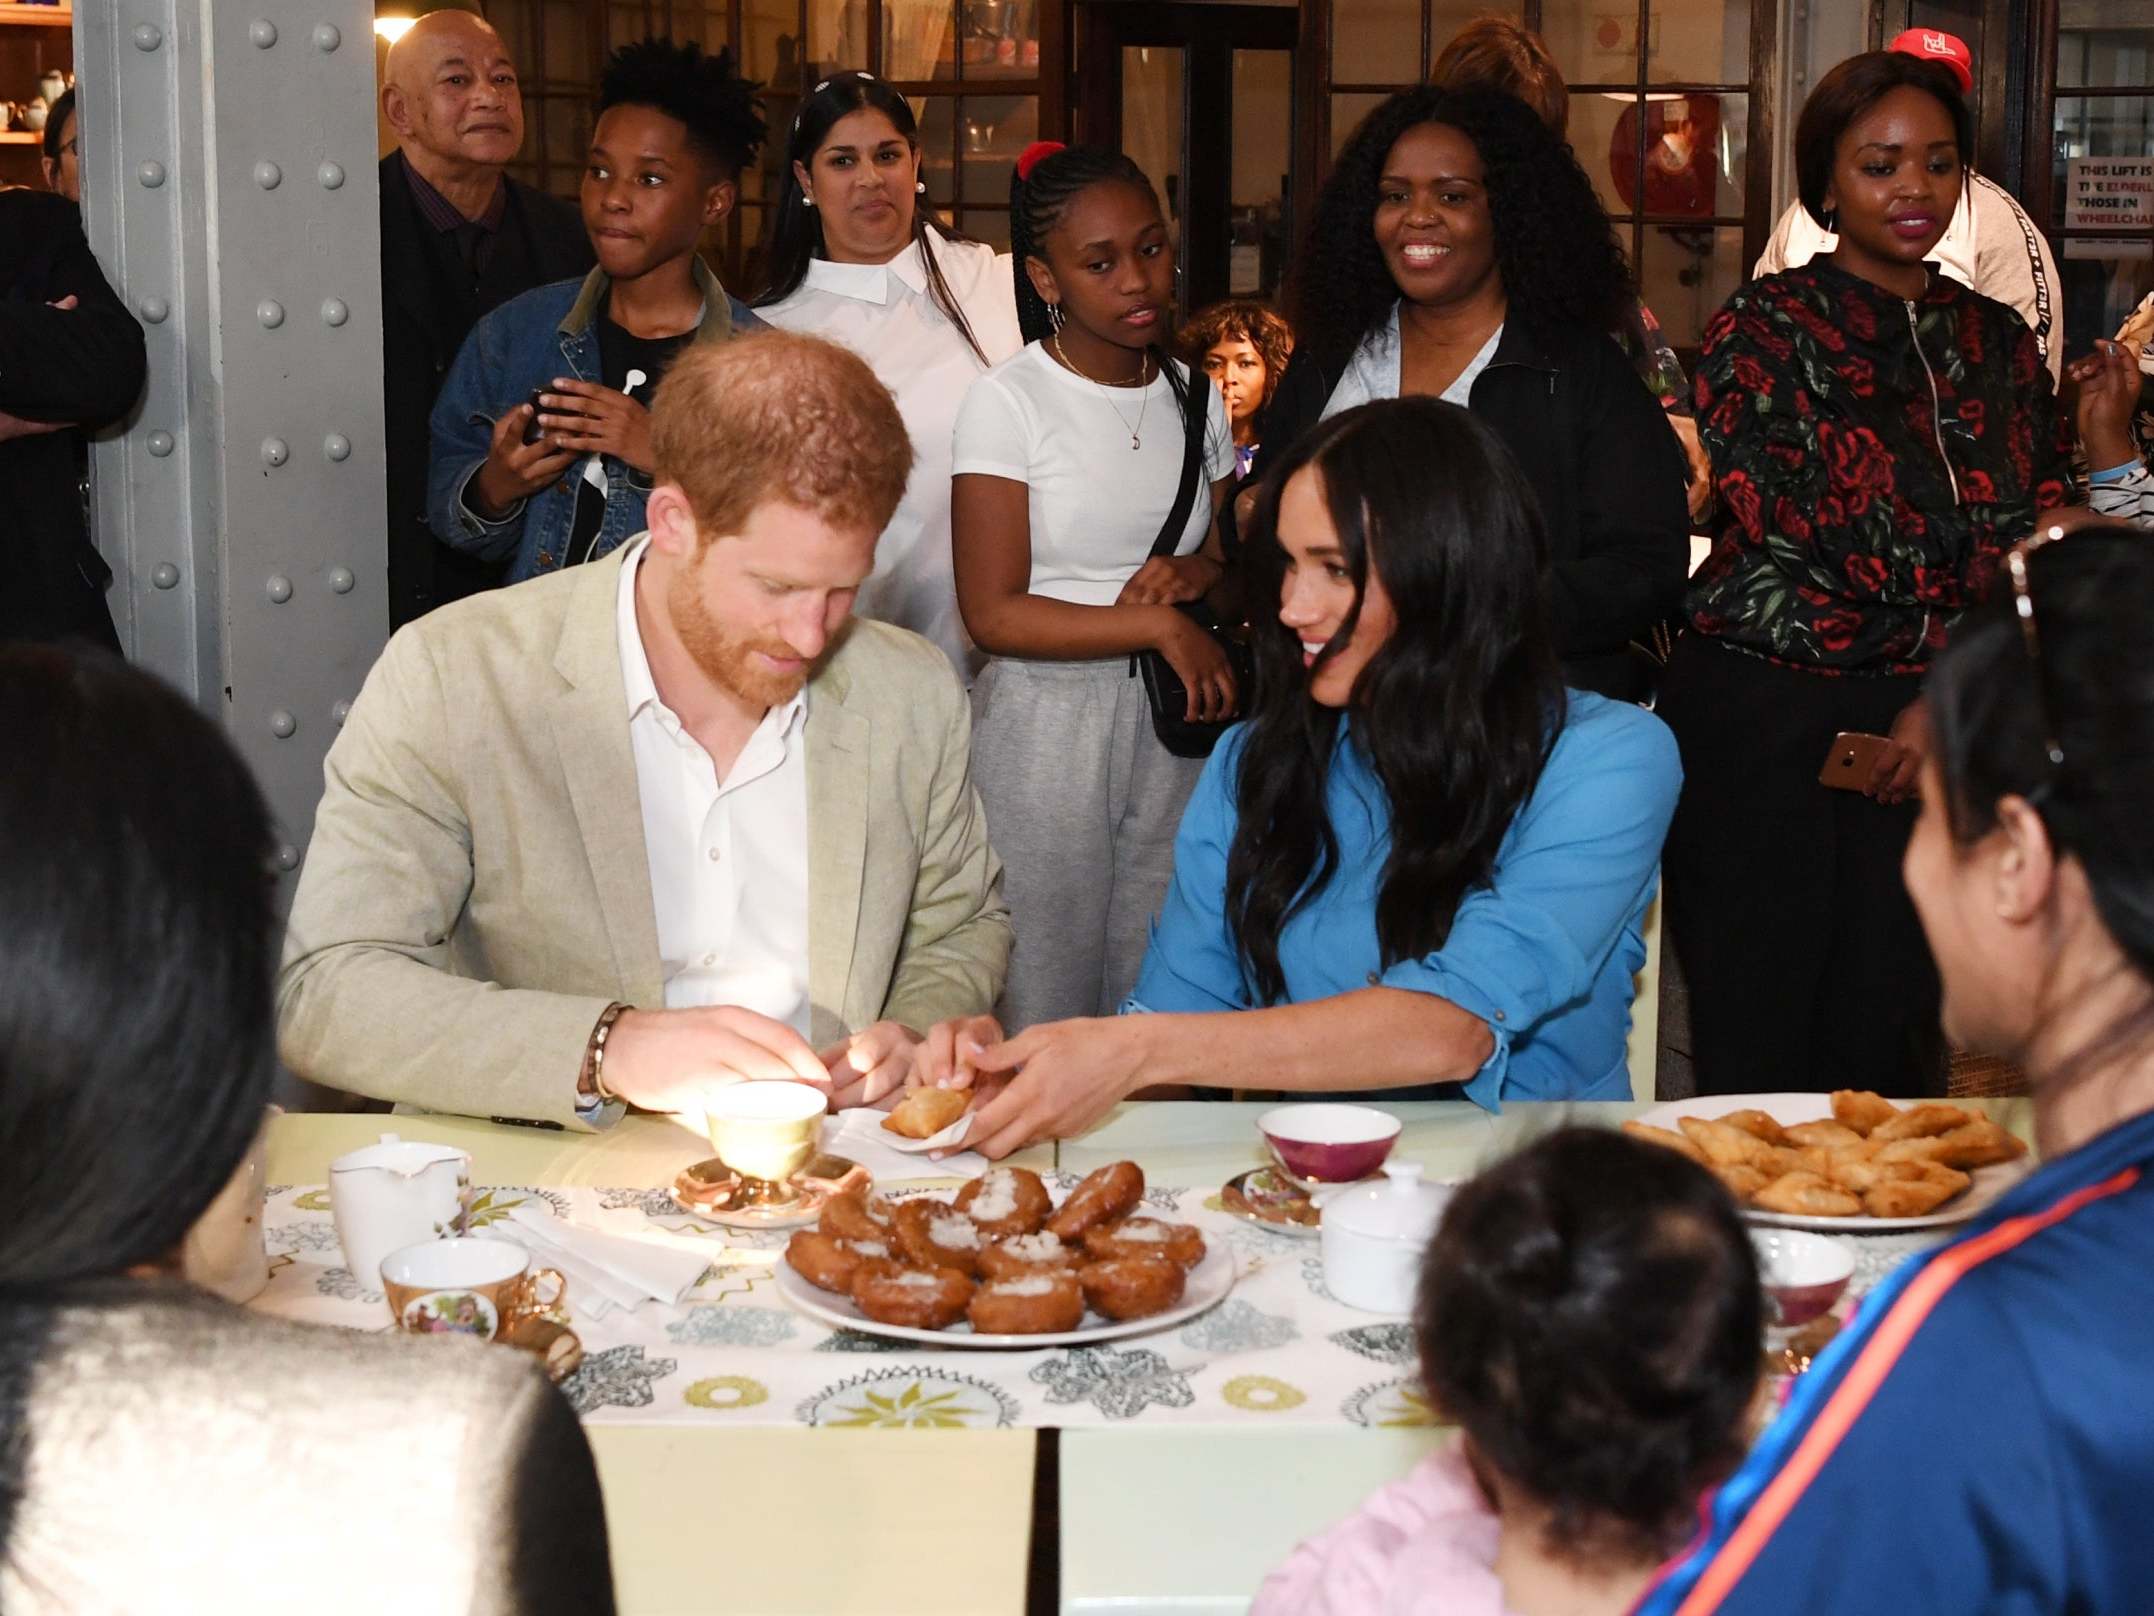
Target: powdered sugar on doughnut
point(870, 1248)
point(915, 1279)
point(1034, 1248)
point(997, 1199)
point(1142, 1229)
point(1030, 1285)
point(954, 1232)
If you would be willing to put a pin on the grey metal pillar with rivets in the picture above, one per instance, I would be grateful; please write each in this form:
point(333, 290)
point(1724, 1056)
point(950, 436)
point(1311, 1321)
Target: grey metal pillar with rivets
point(229, 189)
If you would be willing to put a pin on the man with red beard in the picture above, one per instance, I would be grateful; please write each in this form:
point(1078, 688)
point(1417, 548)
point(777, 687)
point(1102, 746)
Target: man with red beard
point(639, 829)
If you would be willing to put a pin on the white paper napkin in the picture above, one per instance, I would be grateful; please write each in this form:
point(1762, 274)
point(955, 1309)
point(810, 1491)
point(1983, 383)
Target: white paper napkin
point(605, 1272)
point(860, 1135)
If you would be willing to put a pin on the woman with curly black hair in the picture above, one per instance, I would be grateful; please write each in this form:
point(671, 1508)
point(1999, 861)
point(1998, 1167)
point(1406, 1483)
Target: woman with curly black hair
point(1459, 251)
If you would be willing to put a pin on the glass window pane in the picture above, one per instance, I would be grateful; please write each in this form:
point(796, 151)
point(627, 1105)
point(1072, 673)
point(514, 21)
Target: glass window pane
point(2105, 42)
point(992, 227)
point(568, 40)
point(919, 39)
point(936, 116)
point(1699, 42)
point(1347, 111)
point(1686, 274)
point(1593, 41)
point(992, 130)
point(2104, 281)
point(1695, 146)
point(1376, 41)
point(1604, 135)
point(1263, 84)
point(771, 44)
point(1001, 38)
point(1152, 90)
point(2091, 134)
point(837, 36)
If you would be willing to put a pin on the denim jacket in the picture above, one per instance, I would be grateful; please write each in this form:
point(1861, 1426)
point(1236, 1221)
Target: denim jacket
point(549, 331)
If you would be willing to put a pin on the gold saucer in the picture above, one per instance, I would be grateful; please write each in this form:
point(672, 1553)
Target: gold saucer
point(712, 1190)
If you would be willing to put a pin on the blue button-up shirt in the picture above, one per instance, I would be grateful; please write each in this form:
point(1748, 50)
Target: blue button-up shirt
point(1544, 952)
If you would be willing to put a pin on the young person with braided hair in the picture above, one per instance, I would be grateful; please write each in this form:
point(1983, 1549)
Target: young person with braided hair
point(858, 257)
point(1068, 459)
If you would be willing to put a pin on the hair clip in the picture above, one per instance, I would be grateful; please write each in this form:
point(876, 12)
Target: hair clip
point(1034, 155)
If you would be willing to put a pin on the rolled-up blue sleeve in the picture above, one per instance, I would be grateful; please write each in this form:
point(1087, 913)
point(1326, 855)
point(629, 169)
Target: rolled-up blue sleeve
point(1191, 962)
point(1579, 861)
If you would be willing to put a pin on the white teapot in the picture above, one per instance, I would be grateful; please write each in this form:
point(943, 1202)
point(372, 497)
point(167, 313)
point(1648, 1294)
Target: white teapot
point(393, 1194)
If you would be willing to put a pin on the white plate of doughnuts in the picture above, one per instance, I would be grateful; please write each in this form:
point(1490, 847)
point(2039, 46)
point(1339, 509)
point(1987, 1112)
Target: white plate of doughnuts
point(990, 1267)
point(1859, 1112)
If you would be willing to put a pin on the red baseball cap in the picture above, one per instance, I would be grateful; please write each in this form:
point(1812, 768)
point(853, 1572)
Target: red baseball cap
point(1933, 46)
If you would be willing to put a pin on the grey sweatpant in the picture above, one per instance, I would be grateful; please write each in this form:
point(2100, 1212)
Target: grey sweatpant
point(1082, 805)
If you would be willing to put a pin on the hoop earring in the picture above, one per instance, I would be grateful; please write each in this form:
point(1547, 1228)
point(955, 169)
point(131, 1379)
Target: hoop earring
point(1832, 221)
point(1054, 315)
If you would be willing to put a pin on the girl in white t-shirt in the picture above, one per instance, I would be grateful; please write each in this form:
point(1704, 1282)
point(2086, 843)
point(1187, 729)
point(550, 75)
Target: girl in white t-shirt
point(1067, 461)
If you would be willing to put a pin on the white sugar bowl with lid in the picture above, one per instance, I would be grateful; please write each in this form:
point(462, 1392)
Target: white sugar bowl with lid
point(1374, 1235)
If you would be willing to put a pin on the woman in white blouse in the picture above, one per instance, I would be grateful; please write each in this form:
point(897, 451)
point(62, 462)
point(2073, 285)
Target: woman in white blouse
point(857, 257)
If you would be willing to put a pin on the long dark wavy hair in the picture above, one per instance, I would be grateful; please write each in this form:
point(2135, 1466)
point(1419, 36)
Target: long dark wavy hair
point(1456, 713)
point(796, 237)
point(1047, 179)
point(1557, 254)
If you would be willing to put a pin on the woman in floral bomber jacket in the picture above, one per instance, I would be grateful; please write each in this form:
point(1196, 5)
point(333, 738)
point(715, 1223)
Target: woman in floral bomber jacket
point(1880, 436)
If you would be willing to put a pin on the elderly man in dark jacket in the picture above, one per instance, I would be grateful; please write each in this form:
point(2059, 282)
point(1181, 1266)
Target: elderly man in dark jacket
point(71, 356)
point(458, 239)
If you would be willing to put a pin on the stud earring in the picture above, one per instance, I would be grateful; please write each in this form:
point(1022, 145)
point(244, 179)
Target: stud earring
point(806, 200)
point(920, 186)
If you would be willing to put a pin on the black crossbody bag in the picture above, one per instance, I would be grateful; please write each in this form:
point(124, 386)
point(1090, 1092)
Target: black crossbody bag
point(1164, 691)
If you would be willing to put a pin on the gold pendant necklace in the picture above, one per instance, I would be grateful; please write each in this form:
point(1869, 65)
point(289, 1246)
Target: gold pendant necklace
point(1144, 398)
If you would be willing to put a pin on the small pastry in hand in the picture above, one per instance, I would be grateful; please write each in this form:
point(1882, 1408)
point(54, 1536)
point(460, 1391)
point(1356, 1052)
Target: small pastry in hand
point(917, 1298)
point(1146, 1237)
point(1005, 1201)
point(1041, 1253)
point(857, 1215)
point(931, 1234)
point(830, 1263)
point(1108, 1193)
point(1031, 1304)
point(924, 1113)
point(1132, 1287)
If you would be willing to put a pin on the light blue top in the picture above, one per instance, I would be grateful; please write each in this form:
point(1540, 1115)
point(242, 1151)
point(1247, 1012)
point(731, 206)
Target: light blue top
point(1544, 953)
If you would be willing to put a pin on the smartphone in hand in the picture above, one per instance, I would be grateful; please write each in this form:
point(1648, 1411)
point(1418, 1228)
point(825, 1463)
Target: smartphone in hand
point(1852, 760)
point(532, 430)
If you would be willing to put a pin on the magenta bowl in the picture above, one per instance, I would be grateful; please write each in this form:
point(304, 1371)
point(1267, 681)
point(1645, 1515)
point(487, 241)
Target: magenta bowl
point(1803, 1274)
point(1329, 1144)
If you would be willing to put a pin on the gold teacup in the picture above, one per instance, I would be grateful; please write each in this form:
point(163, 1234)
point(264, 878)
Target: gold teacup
point(468, 1286)
point(765, 1132)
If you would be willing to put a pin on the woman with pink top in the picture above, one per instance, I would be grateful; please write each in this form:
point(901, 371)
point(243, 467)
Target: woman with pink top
point(1589, 1316)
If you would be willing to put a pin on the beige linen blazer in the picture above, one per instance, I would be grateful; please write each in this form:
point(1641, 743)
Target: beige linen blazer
point(477, 891)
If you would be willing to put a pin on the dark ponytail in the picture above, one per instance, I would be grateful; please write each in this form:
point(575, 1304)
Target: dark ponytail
point(796, 237)
point(1048, 178)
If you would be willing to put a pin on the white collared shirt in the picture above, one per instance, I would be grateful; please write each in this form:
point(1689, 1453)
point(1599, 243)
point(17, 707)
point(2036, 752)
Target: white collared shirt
point(728, 859)
point(1374, 371)
point(884, 314)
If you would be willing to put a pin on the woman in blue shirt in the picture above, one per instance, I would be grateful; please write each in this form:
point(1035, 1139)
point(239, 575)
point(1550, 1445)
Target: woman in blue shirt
point(1315, 936)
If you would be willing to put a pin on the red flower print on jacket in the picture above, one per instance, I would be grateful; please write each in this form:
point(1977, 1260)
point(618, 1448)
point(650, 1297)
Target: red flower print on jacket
point(1814, 402)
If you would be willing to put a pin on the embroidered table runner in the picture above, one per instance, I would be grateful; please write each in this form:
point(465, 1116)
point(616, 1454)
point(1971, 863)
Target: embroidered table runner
point(1278, 1350)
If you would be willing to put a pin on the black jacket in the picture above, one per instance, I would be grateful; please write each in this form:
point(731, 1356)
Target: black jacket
point(429, 304)
point(84, 365)
point(1596, 448)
